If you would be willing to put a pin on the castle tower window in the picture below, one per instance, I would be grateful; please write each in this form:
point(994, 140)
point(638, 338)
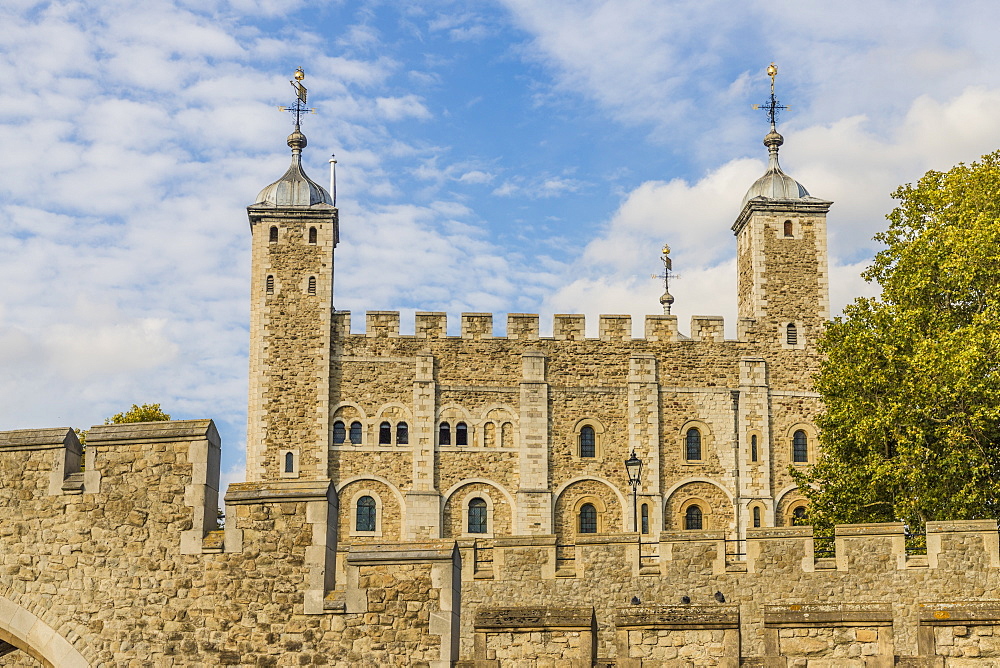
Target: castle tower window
point(791, 335)
point(800, 447)
point(788, 228)
point(312, 235)
point(489, 435)
point(384, 433)
point(356, 434)
point(269, 285)
point(588, 518)
point(461, 434)
point(756, 517)
point(693, 442)
point(645, 518)
point(753, 448)
point(477, 516)
point(312, 285)
point(693, 518)
point(402, 434)
point(273, 235)
point(507, 435)
point(339, 432)
point(289, 463)
point(444, 434)
point(365, 520)
point(588, 442)
point(799, 516)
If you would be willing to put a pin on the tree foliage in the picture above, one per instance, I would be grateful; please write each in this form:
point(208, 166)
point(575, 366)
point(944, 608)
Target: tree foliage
point(911, 381)
point(144, 413)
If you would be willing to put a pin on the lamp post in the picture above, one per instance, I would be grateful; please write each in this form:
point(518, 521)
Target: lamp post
point(633, 466)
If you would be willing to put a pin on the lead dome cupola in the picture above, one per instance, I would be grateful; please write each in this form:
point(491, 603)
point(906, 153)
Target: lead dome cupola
point(294, 188)
point(775, 184)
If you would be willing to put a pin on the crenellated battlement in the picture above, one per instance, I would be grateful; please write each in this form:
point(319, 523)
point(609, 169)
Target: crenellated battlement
point(525, 326)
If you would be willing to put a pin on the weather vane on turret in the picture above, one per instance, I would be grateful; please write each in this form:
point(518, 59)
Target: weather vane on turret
point(772, 106)
point(666, 299)
point(301, 97)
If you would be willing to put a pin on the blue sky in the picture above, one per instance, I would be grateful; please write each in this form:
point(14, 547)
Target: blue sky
point(507, 155)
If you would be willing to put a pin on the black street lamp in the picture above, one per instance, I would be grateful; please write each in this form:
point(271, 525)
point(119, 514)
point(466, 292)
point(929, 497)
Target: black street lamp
point(633, 466)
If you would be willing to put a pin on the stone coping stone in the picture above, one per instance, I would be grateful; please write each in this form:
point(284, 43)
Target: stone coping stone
point(678, 617)
point(38, 439)
point(828, 614)
point(881, 529)
point(680, 536)
point(607, 539)
point(534, 618)
point(545, 540)
point(959, 612)
point(276, 491)
point(380, 553)
point(169, 430)
point(765, 533)
point(961, 526)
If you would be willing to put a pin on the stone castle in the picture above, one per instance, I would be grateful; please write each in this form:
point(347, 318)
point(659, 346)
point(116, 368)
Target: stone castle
point(484, 500)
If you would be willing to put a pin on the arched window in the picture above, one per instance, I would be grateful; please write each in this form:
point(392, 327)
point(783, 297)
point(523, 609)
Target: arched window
point(799, 516)
point(756, 517)
point(384, 433)
point(366, 514)
point(588, 518)
point(791, 335)
point(312, 235)
point(273, 234)
point(339, 432)
point(507, 435)
point(477, 516)
point(692, 518)
point(645, 518)
point(269, 285)
point(788, 228)
point(800, 447)
point(356, 433)
point(312, 285)
point(588, 441)
point(490, 435)
point(461, 434)
point(402, 434)
point(693, 444)
point(753, 447)
point(289, 463)
point(444, 434)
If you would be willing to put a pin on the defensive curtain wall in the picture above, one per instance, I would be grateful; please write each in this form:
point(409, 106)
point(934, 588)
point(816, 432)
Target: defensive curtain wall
point(122, 565)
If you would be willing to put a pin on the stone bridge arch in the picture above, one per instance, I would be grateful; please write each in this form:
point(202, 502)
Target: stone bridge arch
point(23, 630)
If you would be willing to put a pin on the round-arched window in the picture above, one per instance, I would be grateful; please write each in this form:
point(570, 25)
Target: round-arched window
point(588, 518)
point(693, 518)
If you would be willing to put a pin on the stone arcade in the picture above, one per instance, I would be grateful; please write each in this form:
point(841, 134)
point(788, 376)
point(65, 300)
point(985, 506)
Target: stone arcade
point(436, 500)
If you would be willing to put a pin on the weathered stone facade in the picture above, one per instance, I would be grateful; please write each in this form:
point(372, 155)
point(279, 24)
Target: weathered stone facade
point(433, 500)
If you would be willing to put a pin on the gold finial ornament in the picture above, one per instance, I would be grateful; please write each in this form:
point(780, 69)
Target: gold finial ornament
point(666, 249)
point(300, 75)
point(772, 70)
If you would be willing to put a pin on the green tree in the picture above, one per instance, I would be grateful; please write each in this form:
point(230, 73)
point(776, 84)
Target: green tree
point(911, 381)
point(144, 413)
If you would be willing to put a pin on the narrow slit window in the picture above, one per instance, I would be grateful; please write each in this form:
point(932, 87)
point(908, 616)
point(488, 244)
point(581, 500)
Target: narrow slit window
point(588, 518)
point(800, 447)
point(645, 518)
point(356, 433)
point(588, 442)
point(444, 434)
point(339, 432)
point(289, 463)
point(693, 518)
point(402, 434)
point(273, 235)
point(366, 514)
point(384, 434)
point(461, 434)
point(753, 448)
point(312, 235)
point(693, 444)
point(756, 517)
point(312, 285)
point(788, 228)
point(269, 285)
point(477, 516)
point(792, 335)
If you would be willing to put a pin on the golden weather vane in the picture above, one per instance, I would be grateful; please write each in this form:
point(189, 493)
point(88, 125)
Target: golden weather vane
point(666, 299)
point(301, 98)
point(772, 106)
